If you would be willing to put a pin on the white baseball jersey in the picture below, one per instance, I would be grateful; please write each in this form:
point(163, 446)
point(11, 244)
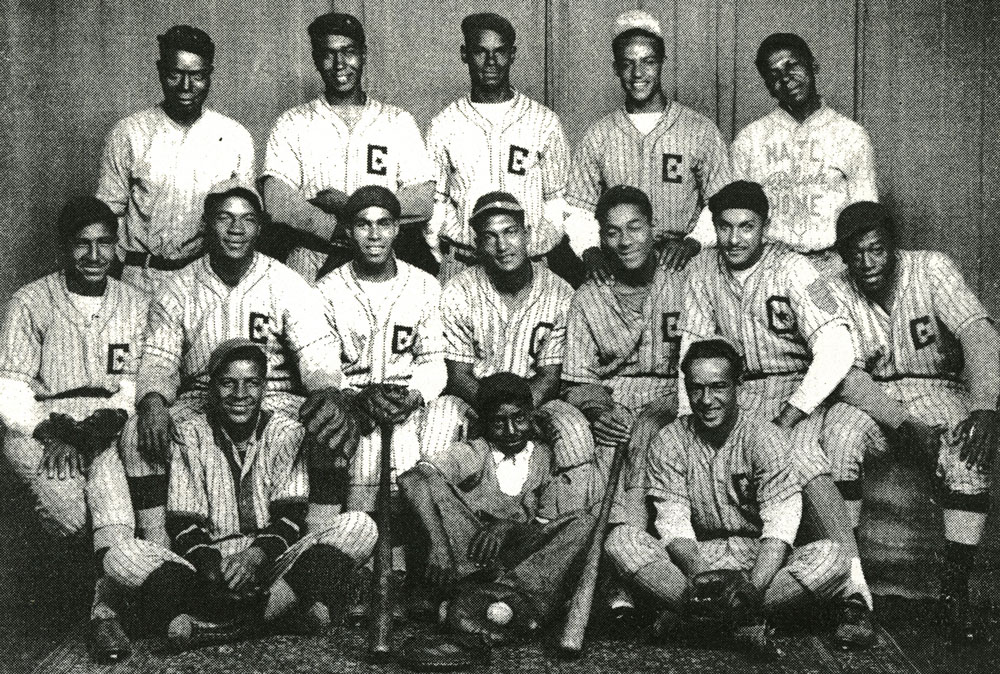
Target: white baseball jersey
point(771, 318)
point(524, 154)
point(195, 311)
point(810, 172)
point(482, 329)
point(679, 164)
point(155, 173)
point(625, 338)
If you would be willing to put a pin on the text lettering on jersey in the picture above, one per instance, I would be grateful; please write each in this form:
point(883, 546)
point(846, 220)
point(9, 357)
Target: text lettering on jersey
point(376, 159)
point(117, 358)
point(672, 168)
point(402, 338)
point(780, 317)
point(259, 327)
point(745, 489)
point(538, 337)
point(671, 332)
point(516, 160)
point(921, 332)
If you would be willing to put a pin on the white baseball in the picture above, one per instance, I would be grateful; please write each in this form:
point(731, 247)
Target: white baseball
point(499, 613)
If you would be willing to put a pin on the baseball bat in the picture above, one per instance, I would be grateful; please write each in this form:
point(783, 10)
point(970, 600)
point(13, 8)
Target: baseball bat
point(379, 604)
point(571, 643)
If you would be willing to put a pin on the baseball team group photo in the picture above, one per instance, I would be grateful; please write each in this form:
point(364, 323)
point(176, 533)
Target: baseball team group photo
point(511, 336)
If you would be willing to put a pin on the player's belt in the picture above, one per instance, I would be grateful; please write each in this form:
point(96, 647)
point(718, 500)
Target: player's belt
point(134, 259)
point(931, 377)
point(754, 376)
point(82, 392)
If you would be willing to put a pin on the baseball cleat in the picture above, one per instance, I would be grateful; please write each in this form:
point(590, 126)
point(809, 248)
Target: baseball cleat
point(855, 630)
point(108, 643)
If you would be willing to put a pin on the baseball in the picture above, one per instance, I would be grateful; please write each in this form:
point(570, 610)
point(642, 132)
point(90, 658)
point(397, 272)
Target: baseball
point(499, 613)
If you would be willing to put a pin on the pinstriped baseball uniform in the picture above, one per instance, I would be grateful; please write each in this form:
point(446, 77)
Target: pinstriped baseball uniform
point(155, 173)
point(75, 363)
point(311, 148)
point(679, 164)
point(725, 489)
point(915, 353)
point(525, 154)
point(771, 320)
point(810, 172)
point(399, 342)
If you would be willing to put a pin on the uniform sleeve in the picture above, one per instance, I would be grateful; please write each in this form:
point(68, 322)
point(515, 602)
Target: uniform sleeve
point(781, 519)
point(862, 184)
point(553, 350)
point(713, 170)
point(282, 158)
point(458, 462)
point(20, 343)
point(585, 183)
point(163, 344)
point(665, 473)
point(114, 185)
point(815, 302)
point(187, 500)
point(772, 465)
point(741, 157)
point(555, 161)
point(429, 372)
point(581, 349)
point(245, 167)
point(310, 335)
point(415, 165)
point(954, 302)
point(437, 149)
point(459, 334)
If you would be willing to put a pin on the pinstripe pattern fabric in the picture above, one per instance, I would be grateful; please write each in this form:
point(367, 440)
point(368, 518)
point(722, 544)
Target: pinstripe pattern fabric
point(810, 171)
point(482, 329)
point(525, 154)
point(311, 148)
point(156, 173)
point(679, 164)
point(109, 500)
point(195, 311)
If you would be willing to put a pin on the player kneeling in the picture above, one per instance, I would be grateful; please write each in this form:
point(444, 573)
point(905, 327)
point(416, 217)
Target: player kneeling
point(728, 506)
point(485, 535)
point(236, 511)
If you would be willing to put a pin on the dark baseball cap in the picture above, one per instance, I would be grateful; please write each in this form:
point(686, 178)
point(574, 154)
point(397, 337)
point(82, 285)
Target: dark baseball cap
point(500, 388)
point(861, 217)
point(488, 21)
point(773, 43)
point(740, 194)
point(496, 202)
point(337, 23)
point(368, 196)
point(187, 38)
point(236, 348)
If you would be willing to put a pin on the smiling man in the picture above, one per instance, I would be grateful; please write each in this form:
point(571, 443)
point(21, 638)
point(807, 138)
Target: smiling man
point(672, 153)
point(811, 160)
point(321, 151)
point(159, 163)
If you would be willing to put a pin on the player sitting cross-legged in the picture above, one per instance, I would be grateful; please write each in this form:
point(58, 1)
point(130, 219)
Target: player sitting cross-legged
point(928, 354)
point(487, 521)
point(728, 504)
point(236, 515)
point(508, 314)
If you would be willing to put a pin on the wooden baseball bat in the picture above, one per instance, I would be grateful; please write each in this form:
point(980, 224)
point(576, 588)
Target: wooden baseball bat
point(379, 606)
point(571, 643)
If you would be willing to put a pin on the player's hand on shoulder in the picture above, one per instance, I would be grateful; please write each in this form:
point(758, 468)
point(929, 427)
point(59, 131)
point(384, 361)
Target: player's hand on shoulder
point(596, 264)
point(155, 428)
point(674, 254)
point(241, 571)
point(977, 438)
point(61, 460)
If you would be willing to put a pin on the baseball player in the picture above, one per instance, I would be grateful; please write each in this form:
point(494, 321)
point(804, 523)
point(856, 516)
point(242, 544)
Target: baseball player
point(237, 507)
point(509, 315)
point(486, 506)
point(774, 306)
point(231, 292)
point(727, 497)
point(321, 151)
point(811, 160)
point(932, 351)
point(498, 139)
point(68, 347)
point(669, 151)
point(159, 163)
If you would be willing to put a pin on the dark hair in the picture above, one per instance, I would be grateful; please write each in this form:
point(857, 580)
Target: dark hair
point(622, 194)
point(251, 354)
point(80, 212)
point(336, 23)
point(789, 41)
point(714, 348)
point(501, 388)
point(474, 24)
point(187, 38)
point(620, 41)
point(214, 200)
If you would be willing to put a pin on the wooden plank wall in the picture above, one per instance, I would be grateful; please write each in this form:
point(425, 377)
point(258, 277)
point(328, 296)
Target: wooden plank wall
point(921, 74)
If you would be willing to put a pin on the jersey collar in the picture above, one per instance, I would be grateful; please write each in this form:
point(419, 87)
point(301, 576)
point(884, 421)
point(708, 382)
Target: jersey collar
point(369, 112)
point(111, 298)
point(517, 109)
point(819, 118)
point(666, 120)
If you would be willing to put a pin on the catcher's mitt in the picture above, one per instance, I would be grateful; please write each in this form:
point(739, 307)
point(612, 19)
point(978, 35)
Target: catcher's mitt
point(89, 436)
point(724, 597)
point(444, 652)
point(496, 612)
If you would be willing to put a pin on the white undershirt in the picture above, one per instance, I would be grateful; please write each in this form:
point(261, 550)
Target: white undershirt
point(645, 121)
point(512, 471)
point(377, 293)
point(88, 305)
point(493, 111)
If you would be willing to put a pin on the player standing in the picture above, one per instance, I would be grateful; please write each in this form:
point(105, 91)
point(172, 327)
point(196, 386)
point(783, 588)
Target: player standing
point(69, 345)
point(321, 151)
point(811, 160)
point(497, 138)
point(159, 163)
point(776, 308)
point(508, 314)
point(932, 352)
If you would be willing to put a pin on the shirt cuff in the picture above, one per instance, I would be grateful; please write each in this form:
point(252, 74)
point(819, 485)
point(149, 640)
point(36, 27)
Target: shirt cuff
point(781, 519)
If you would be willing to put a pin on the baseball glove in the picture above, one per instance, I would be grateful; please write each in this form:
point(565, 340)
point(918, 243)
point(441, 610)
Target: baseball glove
point(89, 436)
point(444, 652)
point(723, 597)
point(497, 612)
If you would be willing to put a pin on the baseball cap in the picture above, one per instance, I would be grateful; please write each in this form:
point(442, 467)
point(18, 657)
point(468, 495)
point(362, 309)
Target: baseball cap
point(337, 23)
point(861, 217)
point(637, 19)
point(187, 38)
point(496, 202)
point(488, 21)
point(740, 194)
point(370, 195)
point(622, 194)
point(232, 187)
point(236, 348)
point(777, 41)
point(500, 388)
point(79, 212)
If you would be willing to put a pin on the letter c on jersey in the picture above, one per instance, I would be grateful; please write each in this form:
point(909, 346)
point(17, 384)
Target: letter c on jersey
point(672, 168)
point(780, 317)
point(921, 333)
point(402, 338)
point(376, 159)
point(117, 357)
point(516, 159)
point(258, 327)
point(538, 337)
